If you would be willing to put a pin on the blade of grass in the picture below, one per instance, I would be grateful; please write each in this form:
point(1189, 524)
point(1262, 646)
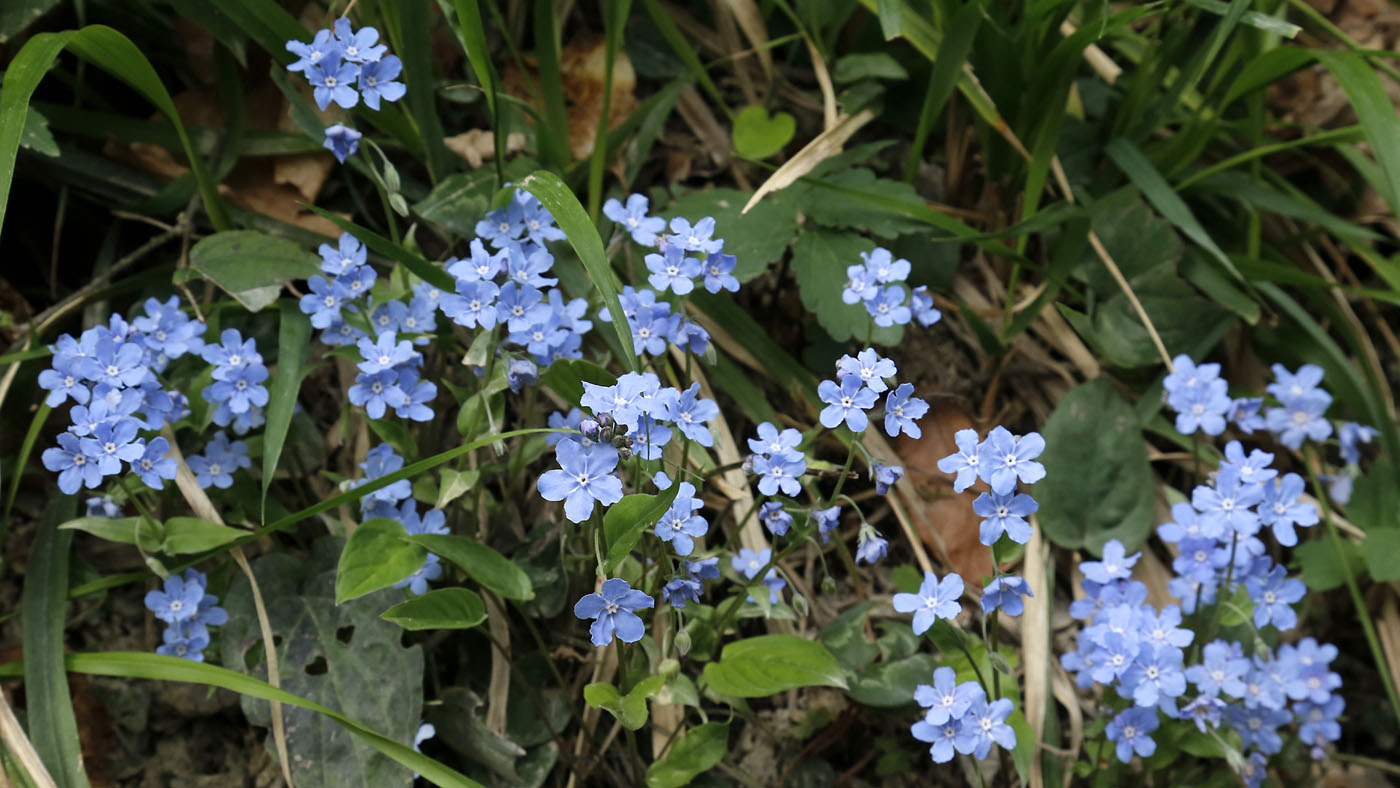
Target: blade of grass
point(52, 726)
point(21, 460)
point(614, 23)
point(473, 33)
point(1376, 115)
point(293, 339)
point(156, 667)
point(553, 134)
point(685, 52)
point(583, 236)
point(114, 53)
point(943, 79)
point(416, 50)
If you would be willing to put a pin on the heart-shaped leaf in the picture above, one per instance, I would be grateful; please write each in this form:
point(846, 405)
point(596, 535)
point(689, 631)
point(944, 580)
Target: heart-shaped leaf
point(757, 136)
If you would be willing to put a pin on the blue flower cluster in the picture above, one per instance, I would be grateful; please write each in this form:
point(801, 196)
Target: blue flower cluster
point(876, 283)
point(335, 62)
point(188, 611)
point(237, 393)
point(111, 373)
point(959, 718)
point(395, 501)
point(1002, 460)
point(215, 467)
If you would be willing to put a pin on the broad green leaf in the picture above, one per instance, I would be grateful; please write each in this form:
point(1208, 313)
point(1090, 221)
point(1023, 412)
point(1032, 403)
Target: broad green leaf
point(458, 202)
point(629, 709)
point(867, 65)
point(376, 556)
point(1098, 483)
point(114, 53)
point(52, 726)
point(822, 207)
point(819, 261)
point(251, 266)
point(1322, 566)
point(141, 531)
point(1238, 609)
point(331, 653)
point(845, 637)
point(889, 684)
point(760, 666)
point(481, 563)
point(441, 608)
point(293, 339)
point(16, 15)
point(695, 753)
point(758, 238)
point(454, 485)
point(757, 136)
point(185, 535)
point(627, 519)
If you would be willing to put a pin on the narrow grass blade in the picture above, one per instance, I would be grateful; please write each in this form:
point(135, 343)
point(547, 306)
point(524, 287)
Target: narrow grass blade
point(947, 68)
point(1376, 114)
point(52, 726)
point(156, 667)
point(293, 338)
point(684, 51)
point(553, 134)
point(114, 53)
point(614, 22)
point(473, 34)
point(22, 459)
point(415, 47)
point(583, 236)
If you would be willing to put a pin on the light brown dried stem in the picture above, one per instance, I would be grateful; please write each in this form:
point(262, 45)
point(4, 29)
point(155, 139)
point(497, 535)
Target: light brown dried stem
point(19, 745)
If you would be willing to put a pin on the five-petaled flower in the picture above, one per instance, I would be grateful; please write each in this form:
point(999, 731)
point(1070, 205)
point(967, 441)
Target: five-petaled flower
point(936, 599)
point(584, 476)
point(613, 610)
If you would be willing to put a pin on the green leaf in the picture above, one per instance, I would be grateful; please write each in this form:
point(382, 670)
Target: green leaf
point(890, 684)
point(627, 519)
point(185, 535)
point(293, 339)
point(415, 25)
point(454, 485)
point(758, 238)
point(583, 237)
point(17, 15)
point(480, 562)
point(629, 709)
point(113, 52)
point(695, 753)
point(819, 261)
point(52, 726)
point(37, 136)
point(867, 65)
point(1322, 567)
point(1098, 483)
point(1238, 609)
point(377, 556)
point(142, 531)
point(757, 136)
point(761, 666)
point(441, 608)
point(251, 266)
point(822, 207)
point(330, 653)
point(458, 202)
point(1375, 112)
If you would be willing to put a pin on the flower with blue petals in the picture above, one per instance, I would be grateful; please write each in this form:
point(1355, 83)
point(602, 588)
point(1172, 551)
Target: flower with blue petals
point(887, 308)
point(613, 610)
point(331, 80)
point(775, 444)
point(1116, 564)
point(1004, 514)
point(584, 477)
point(1003, 458)
point(696, 237)
point(633, 218)
point(342, 141)
point(775, 518)
point(885, 476)
point(870, 367)
point(921, 302)
point(902, 410)
point(322, 44)
point(1005, 594)
point(846, 403)
point(1132, 730)
point(153, 466)
point(1350, 435)
point(672, 270)
point(1274, 595)
point(74, 468)
point(935, 599)
point(964, 462)
point(358, 46)
point(983, 725)
point(779, 474)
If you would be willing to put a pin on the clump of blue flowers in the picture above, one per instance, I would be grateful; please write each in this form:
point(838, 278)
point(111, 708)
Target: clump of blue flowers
point(878, 284)
point(345, 66)
point(188, 610)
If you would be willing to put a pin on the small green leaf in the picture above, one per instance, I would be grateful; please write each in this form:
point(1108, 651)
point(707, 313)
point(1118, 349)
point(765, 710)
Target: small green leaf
point(1238, 609)
point(185, 535)
point(867, 65)
point(761, 666)
point(442, 608)
point(458, 202)
point(481, 563)
point(251, 266)
point(627, 519)
point(757, 136)
point(454, 485)
point(141, 531)
point(889, 684)
point(378, 555)
point(695, 753)
point(1322, 569)
point(1099, 484)
point(293, 339)
point(629, 709)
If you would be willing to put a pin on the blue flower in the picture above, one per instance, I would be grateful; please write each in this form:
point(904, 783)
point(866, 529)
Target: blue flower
point(941, 738)
point(748, 563)
point(482, 266)
point(869, 366)
point(178, 601)
point(963, 462)
point(1253, 469)
point(704, 568)
point(231, 354)
point(901, 411)
point(689, 413)
point(503, 226)
point(529, 269)
point(634, 218)
point(1274, 595)
point(936, 599)
point(153, 465)
point(102, 506)
point(376, 392)
point(584, 476)
point(74, 468)
point(1280, 508)
point(473, 304)
point(1204, 711)
point(672, 270)
point(681, 526)
point(776, 444)
point(119, 364)
point(773, 517)
point(921, 301)
point(1288, 386)
point(883, 266)
point(887, 307)
point(347, 256)
point(680, 591)
point(860, 285)
point(1244, 412)
point(1004, 593)
point(322, 303)
point(417, 583)
point(358, 47)
point(827, 520)
point(1002, 459)
point(1350, 435)
point(1132, 730)
point(537, 222)
point(1222, 669)
point(63, 382)
point(185, 642)
point(885, 475)
point(167, 329)
point(1203, 407)
point(946, 699)
point(624, 401)
point(416, 396)
point(331, 80)
point(1301, 418)
point(111, 444)
point(522, 372)
point(719, 273)
point(520, 306)
point(847, 402)
point(386, 352)
point(342, 140)
point(871, 546)
point(1156, 676)
point(613, 610)
point(694, 238)
point(1226, 506)
point(650, 328)
point(311, 54)
point(220, 459)
point(779, 474)
point(238, 388)
point(1004, 514)
point(1116, 565)
point(985, 724)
